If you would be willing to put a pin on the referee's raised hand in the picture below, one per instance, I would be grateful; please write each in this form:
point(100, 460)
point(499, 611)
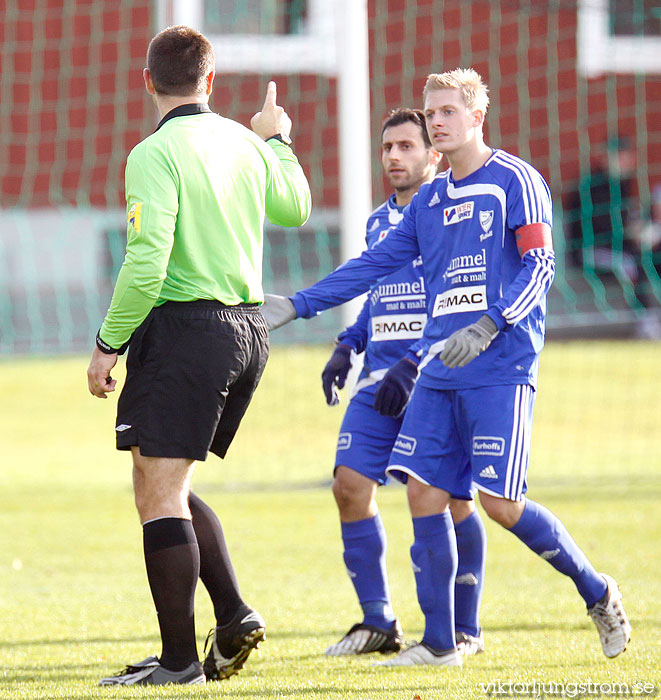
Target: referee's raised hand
point(272, 120)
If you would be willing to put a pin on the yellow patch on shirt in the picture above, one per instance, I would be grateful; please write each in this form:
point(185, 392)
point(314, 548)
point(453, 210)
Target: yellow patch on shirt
point(134, 216)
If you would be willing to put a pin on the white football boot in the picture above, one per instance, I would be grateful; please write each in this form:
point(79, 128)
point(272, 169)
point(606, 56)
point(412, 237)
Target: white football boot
point(610, 620)
point(467, 645)
point(419, 654)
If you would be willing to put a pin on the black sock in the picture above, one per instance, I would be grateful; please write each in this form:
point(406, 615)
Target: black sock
point(172, 558)
point(216, 570)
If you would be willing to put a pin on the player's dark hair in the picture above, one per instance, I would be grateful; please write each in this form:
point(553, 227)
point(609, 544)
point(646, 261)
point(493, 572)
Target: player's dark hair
point(179, 59)
point(401, 115)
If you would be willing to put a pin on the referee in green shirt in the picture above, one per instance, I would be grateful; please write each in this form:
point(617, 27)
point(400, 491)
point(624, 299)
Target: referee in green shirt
point(188, 299)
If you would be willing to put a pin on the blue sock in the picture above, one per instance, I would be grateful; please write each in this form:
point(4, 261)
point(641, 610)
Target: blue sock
point(434, 559)
point(472, 549)
point(365, 558)
point(545, 534)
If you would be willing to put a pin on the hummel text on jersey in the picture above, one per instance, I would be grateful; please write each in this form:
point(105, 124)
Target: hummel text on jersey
point(461, 300)
point(467, 264)
point(397, 291)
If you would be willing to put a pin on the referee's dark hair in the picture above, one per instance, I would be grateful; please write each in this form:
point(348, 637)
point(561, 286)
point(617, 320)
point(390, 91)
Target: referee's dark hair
point(179, 59)
point(401, 115)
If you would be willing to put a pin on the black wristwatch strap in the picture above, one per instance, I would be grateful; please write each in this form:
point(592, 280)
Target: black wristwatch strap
point(105, 348)
point(281, 138)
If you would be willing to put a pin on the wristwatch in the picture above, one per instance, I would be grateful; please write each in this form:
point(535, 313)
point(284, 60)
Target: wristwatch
point(280, 137)
point(105, 348)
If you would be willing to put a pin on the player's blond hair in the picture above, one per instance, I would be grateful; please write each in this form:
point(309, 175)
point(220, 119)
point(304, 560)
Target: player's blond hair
point(473, 89)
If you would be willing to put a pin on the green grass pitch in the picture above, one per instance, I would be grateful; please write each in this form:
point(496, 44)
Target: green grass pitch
point(74, 602)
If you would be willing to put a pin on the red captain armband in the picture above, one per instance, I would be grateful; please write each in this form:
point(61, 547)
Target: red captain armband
point(533, 236)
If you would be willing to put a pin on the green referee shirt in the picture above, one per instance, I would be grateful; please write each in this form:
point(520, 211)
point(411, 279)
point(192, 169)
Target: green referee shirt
point(197, 192)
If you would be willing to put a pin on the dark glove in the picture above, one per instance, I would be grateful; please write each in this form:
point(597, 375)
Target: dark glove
point(395, 389)
point(467, 343)
point(335, 373)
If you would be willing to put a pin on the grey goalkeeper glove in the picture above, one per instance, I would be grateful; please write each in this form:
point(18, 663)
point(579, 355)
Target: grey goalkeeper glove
point(277, 310)
point(467, 343)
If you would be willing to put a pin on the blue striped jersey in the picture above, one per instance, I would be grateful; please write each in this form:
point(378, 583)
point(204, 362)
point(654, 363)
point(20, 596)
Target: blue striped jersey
point(465, 231)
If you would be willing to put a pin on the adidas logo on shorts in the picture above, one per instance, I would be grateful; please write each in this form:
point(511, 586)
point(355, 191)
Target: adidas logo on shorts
point(489, 472)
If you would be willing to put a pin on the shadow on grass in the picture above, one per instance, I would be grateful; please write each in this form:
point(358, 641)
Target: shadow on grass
point(327, 692)
point(61, 674)
point(79, 686)
point(299, 634)
point(648, 486)
point(559, 626)
point(95, 640)
point(320, 693)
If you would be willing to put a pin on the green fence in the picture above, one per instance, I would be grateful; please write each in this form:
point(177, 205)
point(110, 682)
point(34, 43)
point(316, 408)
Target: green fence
point(576, 93)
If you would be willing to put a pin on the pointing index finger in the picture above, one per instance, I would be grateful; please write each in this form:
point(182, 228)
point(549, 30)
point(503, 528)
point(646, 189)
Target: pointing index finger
point(271, 95)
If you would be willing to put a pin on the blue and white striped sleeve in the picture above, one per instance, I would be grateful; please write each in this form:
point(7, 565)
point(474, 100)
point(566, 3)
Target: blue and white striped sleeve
point(527, 290)
point(357, 275)
point(528, 195)
point(529, 218)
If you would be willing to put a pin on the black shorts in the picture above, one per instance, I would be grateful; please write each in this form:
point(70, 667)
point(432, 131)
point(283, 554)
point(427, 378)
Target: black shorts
point(191, 371)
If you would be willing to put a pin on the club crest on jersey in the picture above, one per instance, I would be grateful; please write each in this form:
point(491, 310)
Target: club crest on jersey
point(486, 219)
point(457, 213)
point(134, 215)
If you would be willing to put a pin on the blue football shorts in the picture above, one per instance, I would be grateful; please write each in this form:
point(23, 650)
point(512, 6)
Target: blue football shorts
point(450, 438)
point(366, 438)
